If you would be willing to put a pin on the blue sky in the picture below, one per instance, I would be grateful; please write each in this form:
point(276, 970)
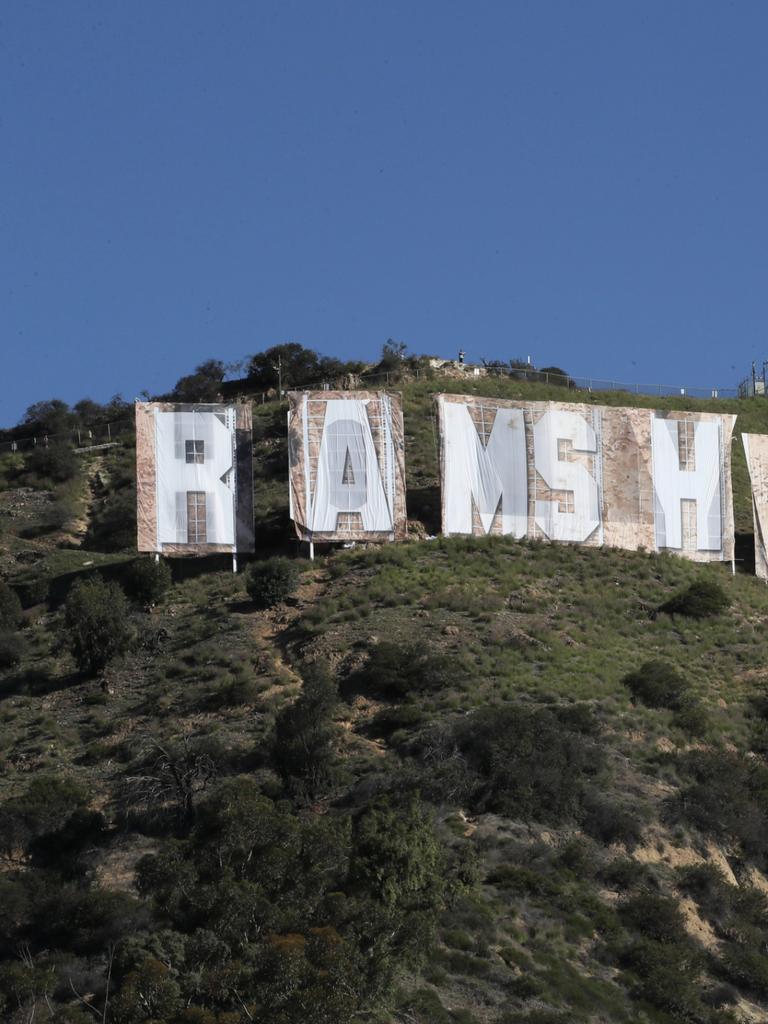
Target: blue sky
point(584, 182)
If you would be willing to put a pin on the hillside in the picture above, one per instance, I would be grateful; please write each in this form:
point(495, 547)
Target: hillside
point(438, 783)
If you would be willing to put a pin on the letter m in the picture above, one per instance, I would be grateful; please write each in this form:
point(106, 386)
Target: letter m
point(489, 473)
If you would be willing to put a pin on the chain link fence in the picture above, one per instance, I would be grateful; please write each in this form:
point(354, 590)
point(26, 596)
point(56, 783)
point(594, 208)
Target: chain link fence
point(84, 438)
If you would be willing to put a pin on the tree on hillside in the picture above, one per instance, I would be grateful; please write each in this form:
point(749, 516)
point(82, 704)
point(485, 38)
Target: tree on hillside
point(202, 385)
point(48, 417)
point(97, 624)
point(295, 366)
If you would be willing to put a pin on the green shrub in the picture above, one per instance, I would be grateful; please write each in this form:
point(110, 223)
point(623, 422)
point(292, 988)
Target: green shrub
point(42, 808)
point(668, 976)
point(611, 822)
point(691, 717)
point(395, 671)
point(657, 685)
point(271, 581)
point(113, 523)
point(747, 967)
point(12, 648)
point(10, 608)
point(56, 463)
point(146, 580)
point(706, 884)
point(654, 916)
point(97, 624)
point(305, 733)
point(702, 599)
point(725, 795)
point(528, 764)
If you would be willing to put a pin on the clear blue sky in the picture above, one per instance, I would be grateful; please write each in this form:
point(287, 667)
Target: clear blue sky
point(584, 182)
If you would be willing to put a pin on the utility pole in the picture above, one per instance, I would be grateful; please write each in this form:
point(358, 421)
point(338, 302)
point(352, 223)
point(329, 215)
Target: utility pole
point(279, 369)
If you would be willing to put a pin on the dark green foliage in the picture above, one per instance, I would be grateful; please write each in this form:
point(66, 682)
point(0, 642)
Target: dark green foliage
point(113, 523)
point(305, 734)
point(725, 795)
point(707, 886)
point(50, 416)
point(322, 915)
point(55, 463)
point(394, 670)
point(667, 976)
point(692, 717)
point(296, 366)
point(203, 385)
point(397, 858)
point(62, 847)
point(702, 599)
point(10, 608)
point(43, 808)
point(97, 624)
point(747, 967)
point(271, 581)
point(528, 763)
point(12, 648)
point(654, 916)
point(610, 821)
point(146, 580)
point(657, 684)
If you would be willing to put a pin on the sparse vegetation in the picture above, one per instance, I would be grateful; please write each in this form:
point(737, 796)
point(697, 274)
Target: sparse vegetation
point(443, 785)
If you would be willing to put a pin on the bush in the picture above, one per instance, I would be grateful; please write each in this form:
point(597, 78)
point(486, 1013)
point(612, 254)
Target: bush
point(146, 580)
point(394, 671)
point(726, 796)
point(12, 649)
point(44, 807)
point(529, 764)
point(54, 464)
point(668, 976)
point(692, 717)
point(271, 581)
point(654, 916)
point(305, 733)
point(113, 522)
point(701, 600)
point(10, 607)
point(611, 822)
point(97, 623)
point(747, 968)
point(657, 685)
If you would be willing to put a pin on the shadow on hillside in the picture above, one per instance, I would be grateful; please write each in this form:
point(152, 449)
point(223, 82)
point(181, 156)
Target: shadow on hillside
point(423, 503)
point(745, 553)
point(34, 683)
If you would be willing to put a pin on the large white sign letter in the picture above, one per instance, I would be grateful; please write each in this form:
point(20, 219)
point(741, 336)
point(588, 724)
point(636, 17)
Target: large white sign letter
point(687, 467)
point(485, 474)
point(348, 477)
point(582, 516)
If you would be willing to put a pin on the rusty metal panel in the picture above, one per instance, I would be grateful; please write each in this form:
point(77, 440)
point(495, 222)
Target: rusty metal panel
point(346, 457)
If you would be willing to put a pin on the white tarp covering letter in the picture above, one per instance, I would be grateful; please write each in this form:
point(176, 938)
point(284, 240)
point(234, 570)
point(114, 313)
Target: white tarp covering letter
point(756, 450)
point(587, 474)
point(191, 497)
point(347, 475)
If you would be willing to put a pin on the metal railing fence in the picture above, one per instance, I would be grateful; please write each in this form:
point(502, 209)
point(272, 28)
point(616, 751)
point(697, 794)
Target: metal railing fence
point(104, 433)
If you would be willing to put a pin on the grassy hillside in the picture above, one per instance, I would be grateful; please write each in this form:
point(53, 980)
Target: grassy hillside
point(446, 781)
